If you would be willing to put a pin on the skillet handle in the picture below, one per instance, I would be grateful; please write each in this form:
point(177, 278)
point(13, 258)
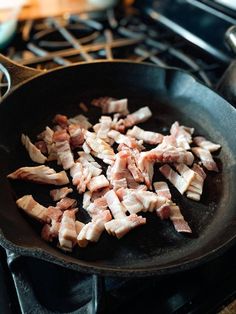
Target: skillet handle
point(16, 73)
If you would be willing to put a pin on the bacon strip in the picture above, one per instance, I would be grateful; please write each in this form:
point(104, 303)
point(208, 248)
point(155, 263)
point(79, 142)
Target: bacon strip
point(120, 227)
point(204, 143)
point(34, 153)
point(33, 208)
point(58, 194)
point(206, 158)
point(152, 138)
point(64, 154)
point(114, 204)
point(67, 232)
point(162, 189)
point(182, 134)
point(80, 120)
point(92, 231)
point(97, 183)
point(180, 184)
point(141, 115)
point(40, 174)
point(178, 220)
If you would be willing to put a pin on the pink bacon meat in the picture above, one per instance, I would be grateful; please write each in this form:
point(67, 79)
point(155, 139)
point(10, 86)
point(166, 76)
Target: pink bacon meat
point(64, 154)
point(114, 204)
point(141, 115)
point(206, 158)
point(67, 232)
point(205, 144)
point(33, 208)
point(121, 226)
point(178, 220)
point(40, 174)
point(152, 138)
point(182, 134)
point(34, 153)
point(162, 189)
point(179, 182)
point(58, 194)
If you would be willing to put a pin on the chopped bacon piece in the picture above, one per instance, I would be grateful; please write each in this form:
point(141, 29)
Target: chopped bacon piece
point(179, 182)
point(118, 124)
point(62, 120)
point(40, 174)
point(42, 146)
point(182, 134)
point(97, 183)
point(78, 226)
point(146, 167)
point(185, 172)
point(47, 137)
point(147, 136)
point(67, 232)
point(131, 203)
point(141, 115)
point(162, 189)
point(33, 208)
point(113, 202)
point(87, 199)
point(66, 203)
point(92, 231)
point(100, 148)
point(58, 194)
point(102, 102)
point(34, 153)
point(50, 231)
point(76, 135)
point(206, 158)
point(64, 154)
point(54, 213)
point(151, 201)
point(120, 227)
point(99, 205)
point(178, 220)
point(124, 139)
point(99, 193)
point(196, 187)
point(83, 107)
point(204, 143)
point(81, 120)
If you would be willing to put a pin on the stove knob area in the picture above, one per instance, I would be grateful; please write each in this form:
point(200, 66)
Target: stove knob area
point(227, 85)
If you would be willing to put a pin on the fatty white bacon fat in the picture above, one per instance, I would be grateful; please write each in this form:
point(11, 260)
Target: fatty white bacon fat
point(40, 174)
point(182, 134)
point(58, 194)
point(76, 135)
point(33, 208)
point(178, 220)
point(114, 204)
point(196, 187)
point(92, 231)
point(103, 127)
point(205, 144)
point(47, 137)
point(162, 189)
point(67, 232)
point(178, 181)
point(84, 169)
point(100, 148)
point(141, 115)
point(64, 154)
point(152, 138)
point(121, 226)
point(80, 120)
point(97, 183)
point(124, 139)
point(34, 153)
point(206, 158)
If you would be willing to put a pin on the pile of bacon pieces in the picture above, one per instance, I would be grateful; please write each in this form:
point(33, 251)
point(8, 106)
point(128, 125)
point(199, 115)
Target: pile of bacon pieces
point(115, 199)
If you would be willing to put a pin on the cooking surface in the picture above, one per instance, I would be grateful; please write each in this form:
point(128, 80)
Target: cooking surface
point(201, 290)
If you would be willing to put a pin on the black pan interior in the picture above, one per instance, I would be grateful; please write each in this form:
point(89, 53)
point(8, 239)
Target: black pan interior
point(172, 95)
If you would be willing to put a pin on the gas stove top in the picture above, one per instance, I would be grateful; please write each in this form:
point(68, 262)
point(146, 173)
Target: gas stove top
point(34, 286)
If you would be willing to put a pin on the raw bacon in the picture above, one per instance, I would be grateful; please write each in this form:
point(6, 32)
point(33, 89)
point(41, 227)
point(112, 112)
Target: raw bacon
point(205, 144)
point(206, 158)
point(40, 174)
point(152, 138)
point(34, 153)
point(58, 194)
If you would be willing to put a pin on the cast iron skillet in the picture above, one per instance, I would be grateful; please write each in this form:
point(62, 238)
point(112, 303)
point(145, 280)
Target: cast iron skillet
point(172, 95)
